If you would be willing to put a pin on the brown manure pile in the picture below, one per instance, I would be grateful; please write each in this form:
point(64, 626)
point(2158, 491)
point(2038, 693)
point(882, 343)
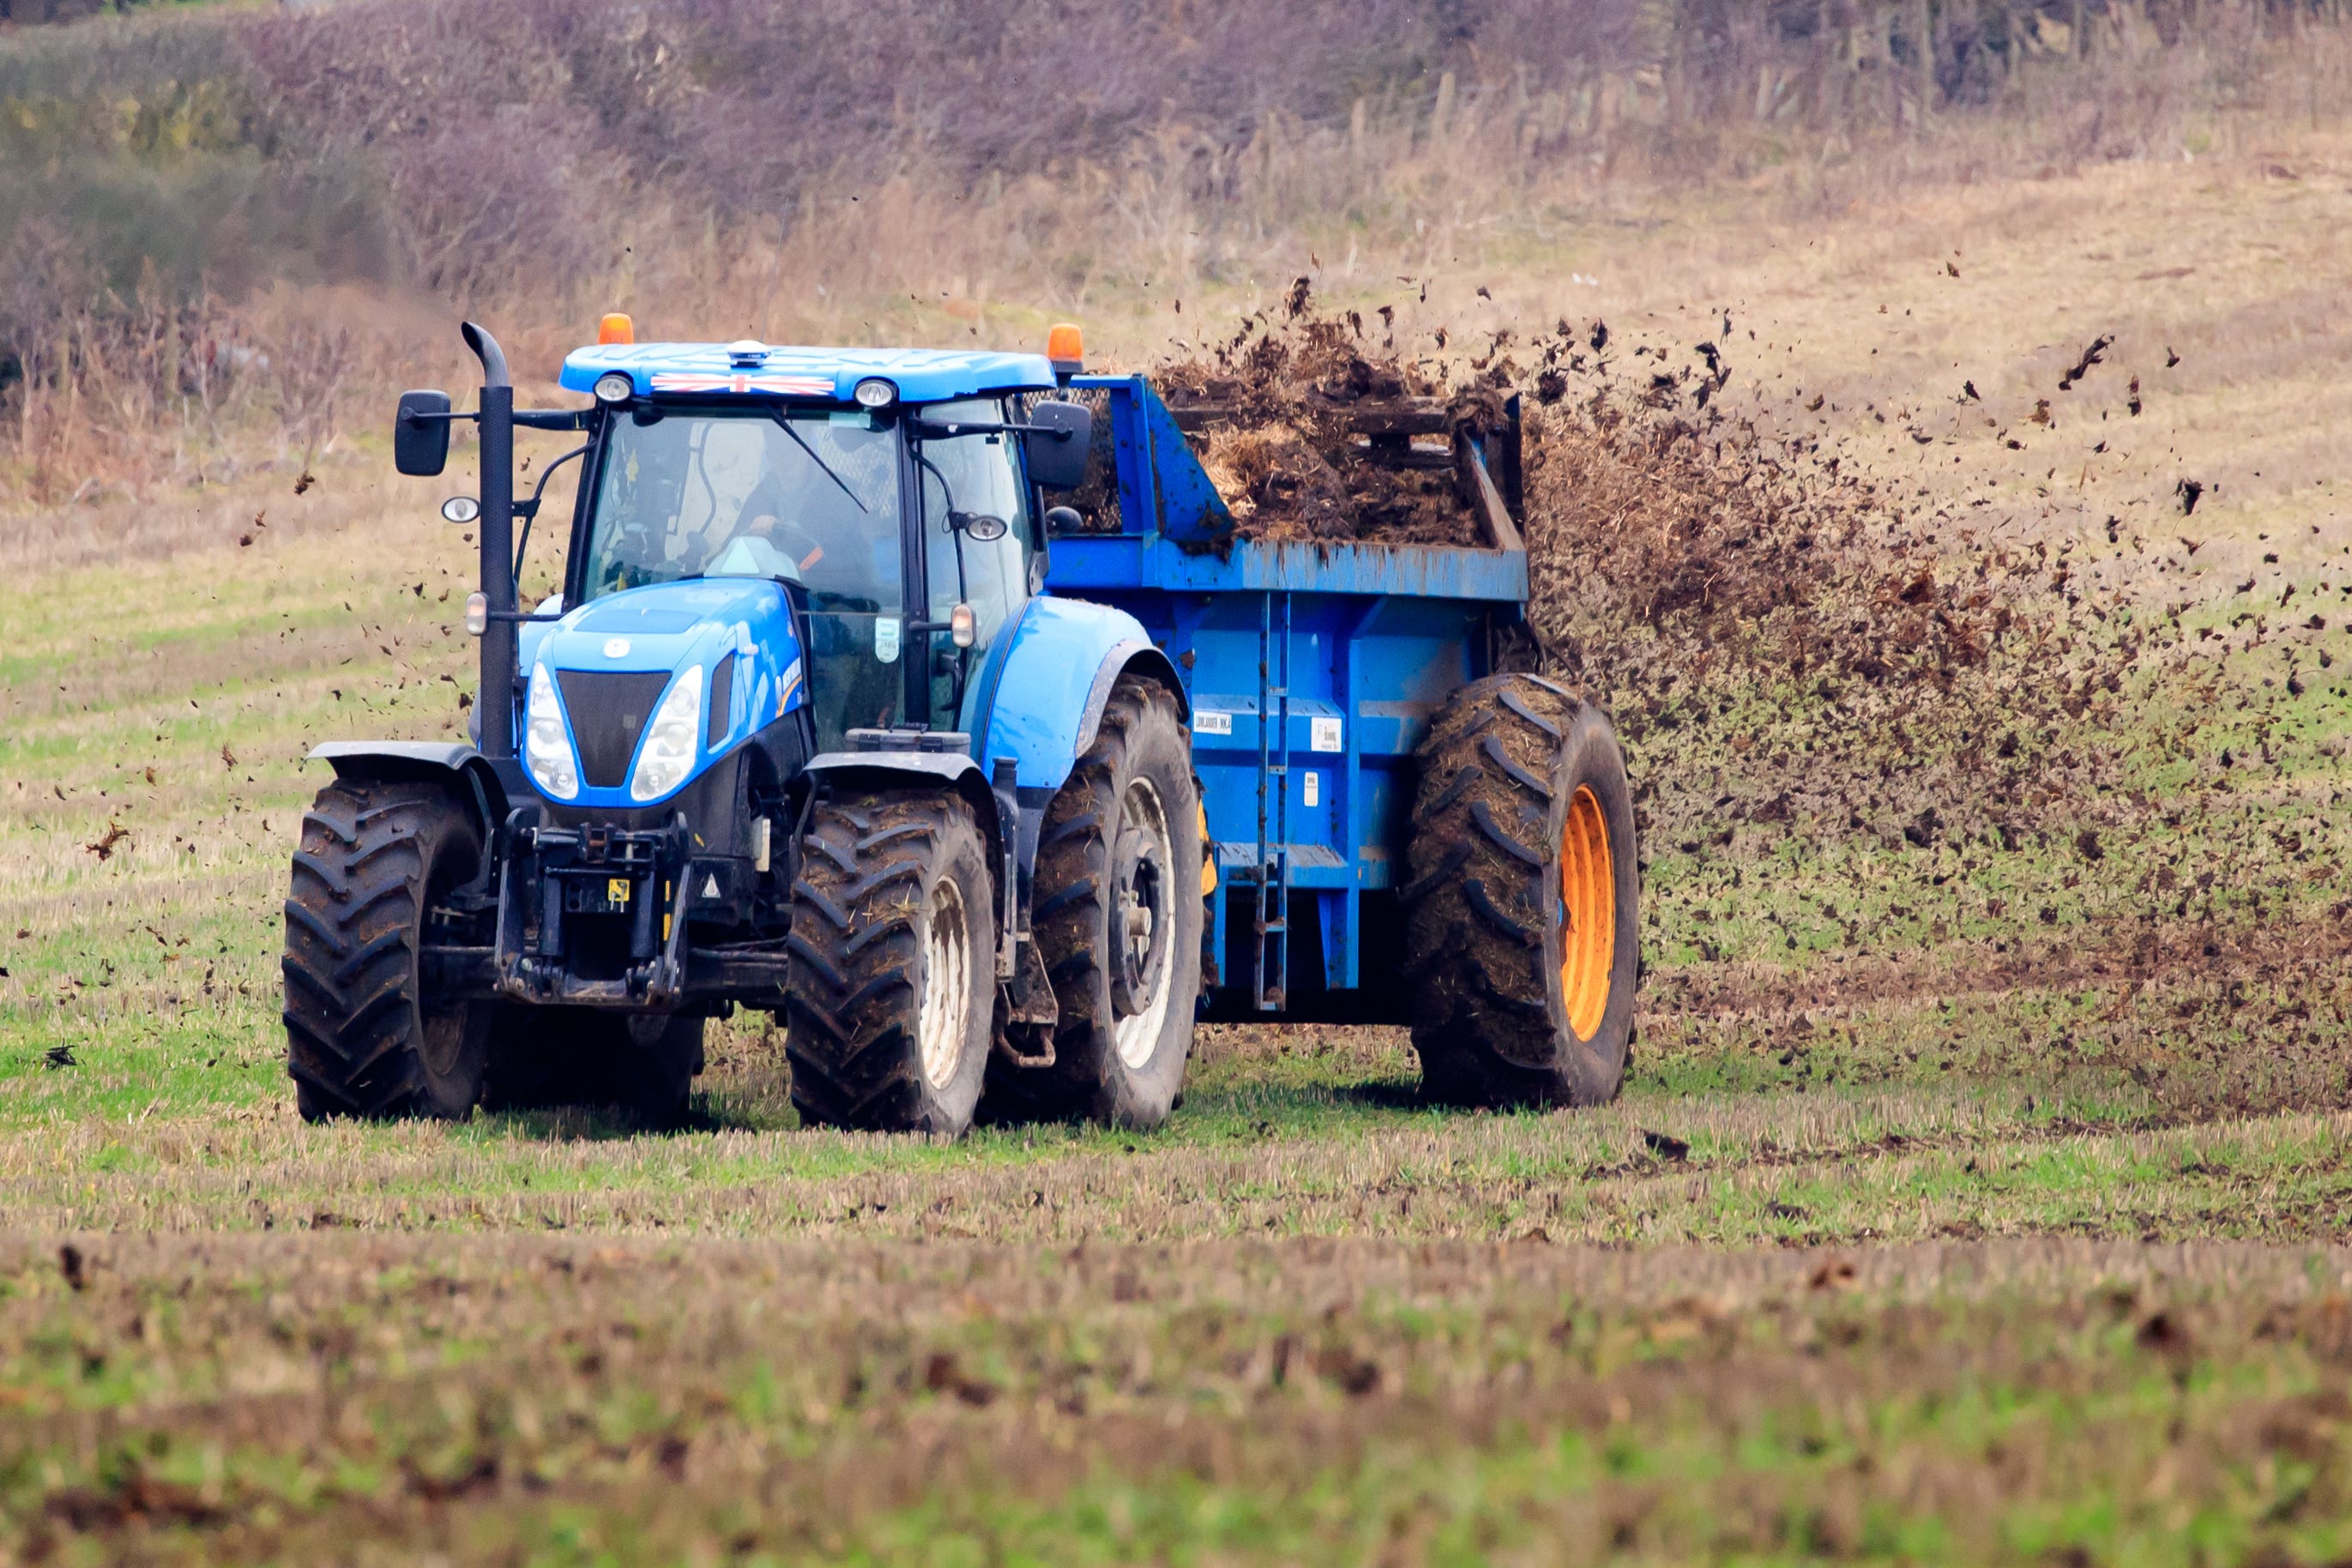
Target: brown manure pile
point(1312, 433)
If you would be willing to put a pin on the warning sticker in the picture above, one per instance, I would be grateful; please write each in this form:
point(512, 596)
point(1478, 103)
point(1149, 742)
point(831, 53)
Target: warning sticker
point(1207, 724)
point(1324, 735)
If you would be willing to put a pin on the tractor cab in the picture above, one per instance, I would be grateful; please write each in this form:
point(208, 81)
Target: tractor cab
point(889, 498)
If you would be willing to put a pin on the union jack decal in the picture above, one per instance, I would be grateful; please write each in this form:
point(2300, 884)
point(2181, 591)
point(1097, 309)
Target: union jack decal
point(745, 382)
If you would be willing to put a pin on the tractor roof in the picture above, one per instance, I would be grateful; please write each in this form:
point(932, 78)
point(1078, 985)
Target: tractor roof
point(921, 375)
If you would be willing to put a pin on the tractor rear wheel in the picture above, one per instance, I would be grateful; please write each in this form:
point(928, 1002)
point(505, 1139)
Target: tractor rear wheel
point(1522, 899)
point(643, 1063)
point(1117, 921)
point(891, 1002)
point(362, 1036)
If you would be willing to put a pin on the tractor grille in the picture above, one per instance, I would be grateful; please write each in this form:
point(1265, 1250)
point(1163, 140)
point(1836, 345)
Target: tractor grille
point(608, 712)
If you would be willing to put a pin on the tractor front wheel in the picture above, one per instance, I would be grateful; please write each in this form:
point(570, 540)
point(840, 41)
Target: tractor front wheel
point(1522, 899)
point(363, 1038)
point(892, 998)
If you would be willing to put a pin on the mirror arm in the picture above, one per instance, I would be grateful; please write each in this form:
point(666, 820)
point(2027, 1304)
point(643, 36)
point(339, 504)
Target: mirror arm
point(528, 510)
point(926, 431)
point(528, 418)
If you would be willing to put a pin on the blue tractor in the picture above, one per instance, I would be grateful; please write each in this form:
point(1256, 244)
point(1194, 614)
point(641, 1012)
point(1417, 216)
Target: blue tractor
point(989, 800)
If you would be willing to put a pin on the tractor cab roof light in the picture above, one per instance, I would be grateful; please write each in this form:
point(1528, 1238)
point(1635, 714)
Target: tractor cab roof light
point(1066, 347)
point(615, 386)
point(875, 393)
point(616, 328)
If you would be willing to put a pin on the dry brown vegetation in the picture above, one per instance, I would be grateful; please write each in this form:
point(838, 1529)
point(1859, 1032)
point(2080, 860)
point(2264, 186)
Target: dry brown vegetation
point(192, 200)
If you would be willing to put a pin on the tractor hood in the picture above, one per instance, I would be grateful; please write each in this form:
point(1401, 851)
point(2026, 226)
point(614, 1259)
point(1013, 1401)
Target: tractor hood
point(613, 664)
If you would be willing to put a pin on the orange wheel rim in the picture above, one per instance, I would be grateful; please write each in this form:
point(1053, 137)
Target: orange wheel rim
point(1588, 890)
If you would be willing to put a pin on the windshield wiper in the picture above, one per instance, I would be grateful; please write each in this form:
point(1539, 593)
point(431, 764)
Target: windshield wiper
point(778, 415)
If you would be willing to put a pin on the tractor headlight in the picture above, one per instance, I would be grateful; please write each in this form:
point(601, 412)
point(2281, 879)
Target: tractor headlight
point(669, 753)
point(875, 393)
point(614, 386)
point(546, 746)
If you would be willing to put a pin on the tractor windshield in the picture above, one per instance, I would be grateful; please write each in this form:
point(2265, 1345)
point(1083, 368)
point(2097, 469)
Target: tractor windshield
point(811, 497)
point(806, 496)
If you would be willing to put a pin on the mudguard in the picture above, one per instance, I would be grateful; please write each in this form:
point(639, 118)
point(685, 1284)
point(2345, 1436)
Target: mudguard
point(1031, 714)
point(953, 769)
point(1042, 688)
point(362, 760)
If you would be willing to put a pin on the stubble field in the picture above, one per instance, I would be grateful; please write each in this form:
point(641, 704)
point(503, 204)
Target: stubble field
point(1976, 1194)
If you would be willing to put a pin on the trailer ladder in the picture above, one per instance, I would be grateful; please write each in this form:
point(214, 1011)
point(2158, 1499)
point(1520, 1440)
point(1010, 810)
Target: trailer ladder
point(1270, 971)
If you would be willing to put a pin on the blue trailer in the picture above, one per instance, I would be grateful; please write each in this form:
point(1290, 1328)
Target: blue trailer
point(989, 800)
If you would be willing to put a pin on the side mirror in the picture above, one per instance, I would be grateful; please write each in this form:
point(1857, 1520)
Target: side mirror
point(1064, 520)
point(1058, 455)
point(420, 434)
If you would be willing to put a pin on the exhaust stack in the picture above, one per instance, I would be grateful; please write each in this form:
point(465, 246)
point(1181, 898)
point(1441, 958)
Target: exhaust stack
point(499, 637)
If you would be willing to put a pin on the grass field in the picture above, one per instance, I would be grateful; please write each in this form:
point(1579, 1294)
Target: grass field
point(1977, 1194)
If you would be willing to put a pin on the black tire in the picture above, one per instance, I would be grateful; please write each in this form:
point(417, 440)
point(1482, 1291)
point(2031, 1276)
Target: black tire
point(643, 1064)
point(1522, 819)
point(887, 880)
point(362, 1038)
point(1122, 834)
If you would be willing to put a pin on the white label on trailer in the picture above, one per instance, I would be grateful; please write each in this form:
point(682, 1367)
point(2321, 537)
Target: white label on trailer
point(1324, 736)
point(1207, 724)
point(1313, 789)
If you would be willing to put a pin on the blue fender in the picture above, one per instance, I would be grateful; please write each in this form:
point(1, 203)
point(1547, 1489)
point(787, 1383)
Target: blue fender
point(1037, 704)
point(1042, 689)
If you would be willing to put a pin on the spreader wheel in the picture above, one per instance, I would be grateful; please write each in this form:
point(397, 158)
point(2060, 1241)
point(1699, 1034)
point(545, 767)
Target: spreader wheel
point(1522, 899)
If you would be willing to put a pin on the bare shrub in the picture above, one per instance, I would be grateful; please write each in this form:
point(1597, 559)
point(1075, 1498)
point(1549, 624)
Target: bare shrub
point(781, 170)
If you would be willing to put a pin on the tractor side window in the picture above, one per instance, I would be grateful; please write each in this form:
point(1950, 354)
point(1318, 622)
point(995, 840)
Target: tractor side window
point(982, 473)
